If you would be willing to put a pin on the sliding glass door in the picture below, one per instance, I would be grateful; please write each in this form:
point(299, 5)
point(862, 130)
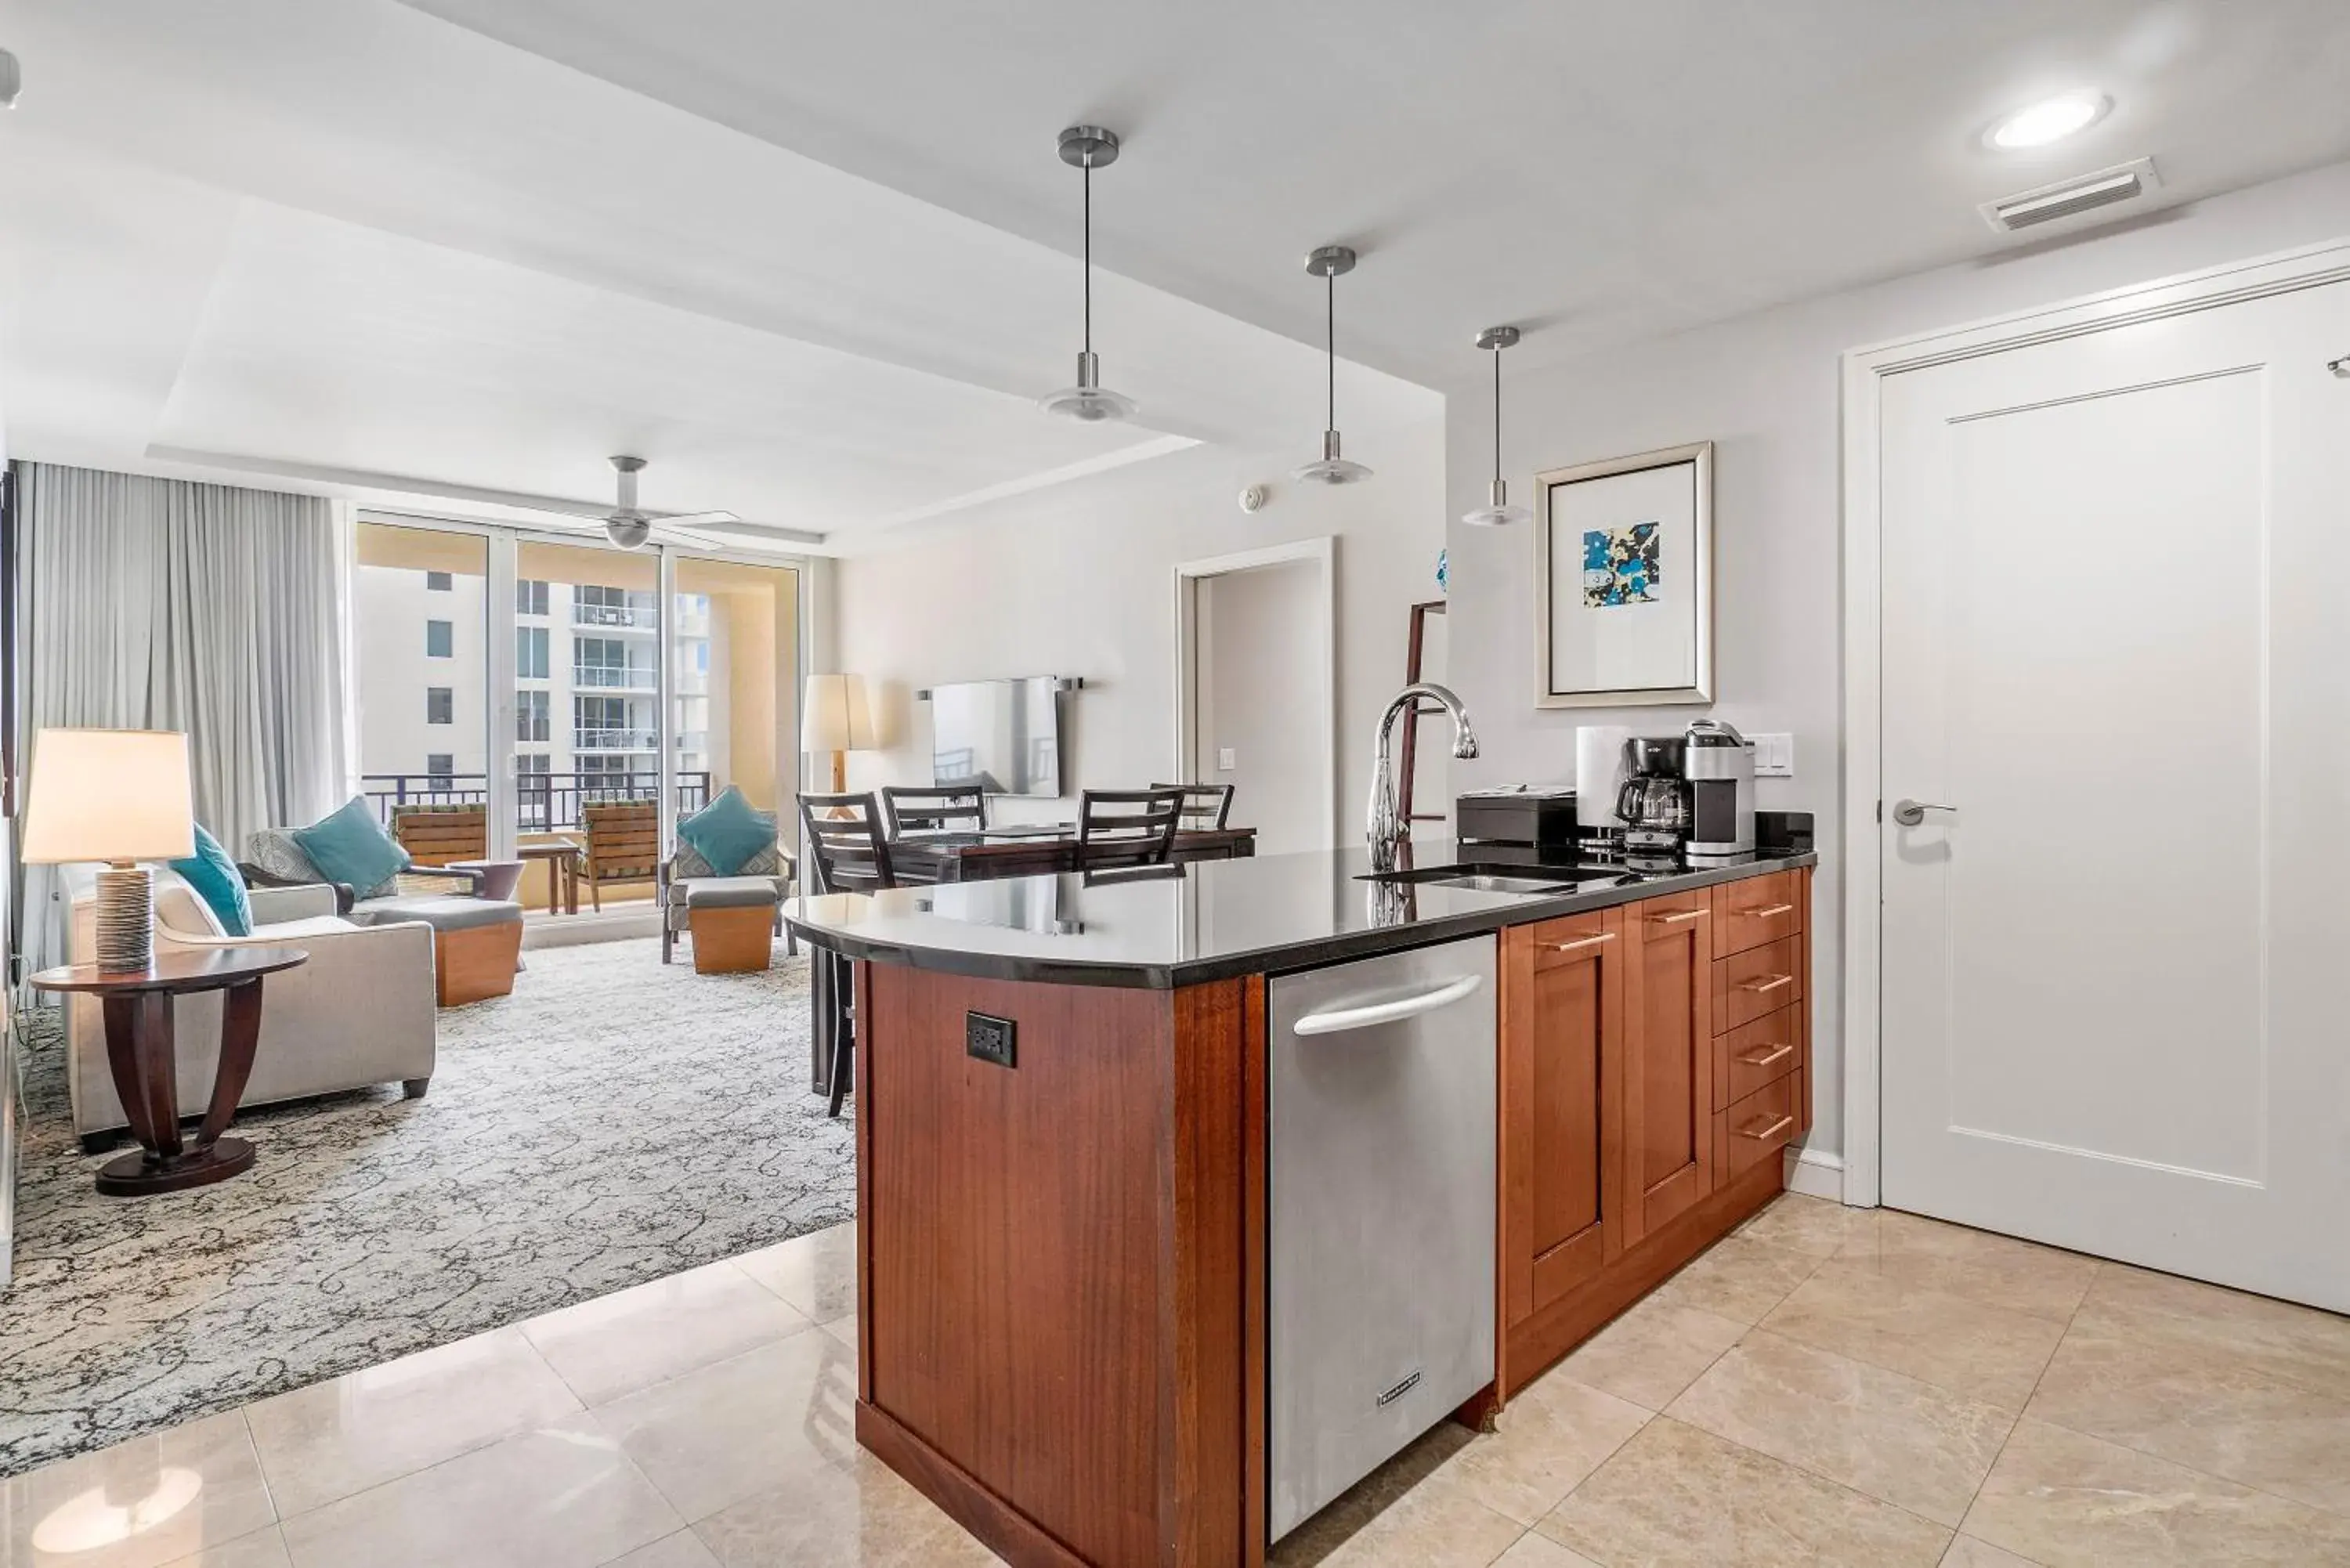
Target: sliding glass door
point(541, 679)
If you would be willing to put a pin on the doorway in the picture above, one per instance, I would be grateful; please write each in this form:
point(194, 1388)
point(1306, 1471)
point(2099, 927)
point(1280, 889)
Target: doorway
point(2098, 714)
point(1256, 689)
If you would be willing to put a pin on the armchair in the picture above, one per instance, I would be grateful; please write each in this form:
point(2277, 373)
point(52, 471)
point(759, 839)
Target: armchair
point(360, 1013)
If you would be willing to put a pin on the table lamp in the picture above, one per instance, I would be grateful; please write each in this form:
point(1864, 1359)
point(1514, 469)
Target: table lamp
point(836, 718)
point(117, 797)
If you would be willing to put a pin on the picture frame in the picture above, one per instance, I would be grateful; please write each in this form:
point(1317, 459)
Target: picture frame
point(1624, 580)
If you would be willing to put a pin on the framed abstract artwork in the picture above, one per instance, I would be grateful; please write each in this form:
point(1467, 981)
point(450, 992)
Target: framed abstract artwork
point(1624, 580)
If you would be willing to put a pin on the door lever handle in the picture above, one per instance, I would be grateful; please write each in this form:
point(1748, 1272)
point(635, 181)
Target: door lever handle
point(1911, 812)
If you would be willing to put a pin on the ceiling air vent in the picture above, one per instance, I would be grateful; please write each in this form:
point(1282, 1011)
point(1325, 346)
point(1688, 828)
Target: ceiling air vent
point(2071, 198)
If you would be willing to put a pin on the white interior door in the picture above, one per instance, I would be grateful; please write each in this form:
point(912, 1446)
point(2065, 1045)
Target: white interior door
point(2116, 644)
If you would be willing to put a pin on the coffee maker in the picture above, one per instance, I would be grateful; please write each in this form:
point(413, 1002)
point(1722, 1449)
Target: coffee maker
point(1718, 765)
point(1654, 801)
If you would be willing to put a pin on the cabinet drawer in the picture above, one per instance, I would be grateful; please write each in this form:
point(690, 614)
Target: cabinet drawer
point(1756, 1054)
point(1574, 939)
point(1757, 1127)
point(1757, 910)
point(1759, 981)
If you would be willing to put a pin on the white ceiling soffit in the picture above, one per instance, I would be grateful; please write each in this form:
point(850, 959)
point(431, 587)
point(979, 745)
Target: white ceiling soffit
point(1597, 171)
point(348, 235)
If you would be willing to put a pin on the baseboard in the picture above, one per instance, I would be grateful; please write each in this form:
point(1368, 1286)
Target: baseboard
point(1815, 1173)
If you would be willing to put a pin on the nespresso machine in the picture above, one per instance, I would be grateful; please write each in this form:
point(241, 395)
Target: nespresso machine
point(1690, 795)
point(1718, 765)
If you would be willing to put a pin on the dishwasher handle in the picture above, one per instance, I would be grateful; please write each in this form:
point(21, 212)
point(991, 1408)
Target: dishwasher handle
point(1338, 1020)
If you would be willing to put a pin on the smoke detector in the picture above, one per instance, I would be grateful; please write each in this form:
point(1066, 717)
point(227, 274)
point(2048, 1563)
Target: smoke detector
point(2072, 198)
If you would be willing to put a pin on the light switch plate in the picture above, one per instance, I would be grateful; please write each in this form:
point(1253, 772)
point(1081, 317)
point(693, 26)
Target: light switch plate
point(1227, 759)
point(1774, 756)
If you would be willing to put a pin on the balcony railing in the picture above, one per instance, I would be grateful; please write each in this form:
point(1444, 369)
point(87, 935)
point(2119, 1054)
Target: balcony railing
point(588, 739)
point(611, 677)
point(543, 802)
point(641, 617)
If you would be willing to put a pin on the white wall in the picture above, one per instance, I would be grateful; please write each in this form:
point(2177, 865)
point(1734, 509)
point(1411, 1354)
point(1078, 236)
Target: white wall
point(1764, 390)
point(1259, 646)
point(1080, 580)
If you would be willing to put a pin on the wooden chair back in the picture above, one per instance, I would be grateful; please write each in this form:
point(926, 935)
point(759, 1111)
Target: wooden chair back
point(623, 844)
point(438, 835)
point(1128, 827)
point(909, 810)
point(1206, 808)
point(845, 853)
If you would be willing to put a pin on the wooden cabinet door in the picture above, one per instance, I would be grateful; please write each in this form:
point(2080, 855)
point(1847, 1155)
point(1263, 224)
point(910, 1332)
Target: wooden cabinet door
point(1561, 1019)
point(1666, 1098)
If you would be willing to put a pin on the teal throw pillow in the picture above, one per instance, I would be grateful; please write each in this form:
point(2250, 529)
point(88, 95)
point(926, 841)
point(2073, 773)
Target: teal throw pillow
point(728, 832)
point(351, 847)
point(218, 883)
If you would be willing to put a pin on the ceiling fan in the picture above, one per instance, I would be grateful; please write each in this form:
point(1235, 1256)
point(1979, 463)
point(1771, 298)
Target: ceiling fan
point(629, 525)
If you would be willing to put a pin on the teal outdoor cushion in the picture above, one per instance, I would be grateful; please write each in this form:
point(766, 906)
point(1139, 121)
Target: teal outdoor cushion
point(218, 883)
point(351, 847)
point(728, 832)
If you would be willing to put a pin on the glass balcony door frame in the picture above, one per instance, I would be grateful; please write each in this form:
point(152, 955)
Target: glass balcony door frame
point(502, 706)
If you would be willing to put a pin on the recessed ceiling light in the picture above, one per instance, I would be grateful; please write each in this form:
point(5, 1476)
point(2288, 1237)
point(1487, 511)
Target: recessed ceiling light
point(2048, 121)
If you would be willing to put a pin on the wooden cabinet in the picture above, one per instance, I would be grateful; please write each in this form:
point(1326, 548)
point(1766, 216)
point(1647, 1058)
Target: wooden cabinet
point(1563, 1006)
point(1668, 1089)
point(1654, 1064)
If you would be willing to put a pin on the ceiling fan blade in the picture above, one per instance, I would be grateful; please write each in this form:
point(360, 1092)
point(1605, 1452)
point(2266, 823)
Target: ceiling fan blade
point(695, 519)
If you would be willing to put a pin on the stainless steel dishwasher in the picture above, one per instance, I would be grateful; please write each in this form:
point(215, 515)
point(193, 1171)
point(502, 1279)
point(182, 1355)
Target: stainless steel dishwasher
point(1382, 1083)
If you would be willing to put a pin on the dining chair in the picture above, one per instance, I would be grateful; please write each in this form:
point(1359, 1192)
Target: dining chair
point(1206, 808)
point(1128, 827)
point(843, 853)
point(929, 809)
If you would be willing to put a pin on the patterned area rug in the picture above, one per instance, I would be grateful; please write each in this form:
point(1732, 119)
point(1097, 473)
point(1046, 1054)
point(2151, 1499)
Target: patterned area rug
point(611, 1122)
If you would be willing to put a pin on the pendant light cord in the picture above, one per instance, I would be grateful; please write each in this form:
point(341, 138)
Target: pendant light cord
point(1497, 413)
point(1330, 339)
point(1089, 254)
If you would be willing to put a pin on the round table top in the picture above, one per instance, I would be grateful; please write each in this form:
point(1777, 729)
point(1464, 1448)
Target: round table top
point(174, 969)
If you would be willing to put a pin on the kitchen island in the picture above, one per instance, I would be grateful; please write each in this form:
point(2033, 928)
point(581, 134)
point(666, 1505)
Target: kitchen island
point(1069, 1308)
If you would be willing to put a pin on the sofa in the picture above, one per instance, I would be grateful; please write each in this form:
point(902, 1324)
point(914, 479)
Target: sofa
point(477, 941)
point(360, 1013)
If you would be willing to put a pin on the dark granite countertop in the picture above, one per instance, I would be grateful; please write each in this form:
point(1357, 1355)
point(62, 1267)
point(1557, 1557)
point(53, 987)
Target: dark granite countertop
point(1213, 920)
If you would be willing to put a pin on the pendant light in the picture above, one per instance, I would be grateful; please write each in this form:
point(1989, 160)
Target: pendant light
point(1088, 147)
point(1326, 263)
point(1498, 513)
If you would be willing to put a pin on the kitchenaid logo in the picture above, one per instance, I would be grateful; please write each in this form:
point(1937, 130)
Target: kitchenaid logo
point(1400, 1391)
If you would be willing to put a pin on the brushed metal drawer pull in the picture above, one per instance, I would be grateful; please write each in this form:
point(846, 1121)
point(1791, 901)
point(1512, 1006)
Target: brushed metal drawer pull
point(1767, 1134)
point(1759, 986)
point(1676, 920)
point(1581, 944)
point(1770, 910)
point(1775, 1054)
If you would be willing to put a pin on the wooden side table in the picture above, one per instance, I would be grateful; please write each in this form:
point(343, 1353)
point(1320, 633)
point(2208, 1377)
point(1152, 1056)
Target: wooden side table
point(562, 858)
point(142, 1055)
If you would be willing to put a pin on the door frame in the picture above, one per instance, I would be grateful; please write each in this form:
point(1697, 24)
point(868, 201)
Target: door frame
point(1323, 554)
point(1862, 372)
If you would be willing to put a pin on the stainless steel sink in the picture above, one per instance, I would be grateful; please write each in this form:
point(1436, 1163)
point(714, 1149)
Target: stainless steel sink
point(1485, 882)
point(1498, 877)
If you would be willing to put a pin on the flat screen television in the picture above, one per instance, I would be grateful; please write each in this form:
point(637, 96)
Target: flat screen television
point(1002, 735)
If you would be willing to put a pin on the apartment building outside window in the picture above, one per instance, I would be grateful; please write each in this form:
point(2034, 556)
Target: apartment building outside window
point(530, 715)
point(530, 596)
point(530, 652)
point(440, 769)
point(439, 583)
point(440, 705)
point(440, 640)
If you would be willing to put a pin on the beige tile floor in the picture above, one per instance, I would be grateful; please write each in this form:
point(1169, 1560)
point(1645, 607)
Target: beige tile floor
point(1829, 1385)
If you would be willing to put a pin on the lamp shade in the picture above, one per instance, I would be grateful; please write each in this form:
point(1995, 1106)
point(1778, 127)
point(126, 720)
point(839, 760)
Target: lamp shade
point(835, 716)
point(109, 795)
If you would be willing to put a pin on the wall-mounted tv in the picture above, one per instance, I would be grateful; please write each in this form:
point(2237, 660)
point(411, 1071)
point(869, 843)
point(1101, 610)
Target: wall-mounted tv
point(1002, 735)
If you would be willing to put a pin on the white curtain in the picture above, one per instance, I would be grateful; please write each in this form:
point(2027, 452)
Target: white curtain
point(158, 603)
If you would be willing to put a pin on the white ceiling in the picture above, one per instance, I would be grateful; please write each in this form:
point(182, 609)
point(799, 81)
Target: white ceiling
point(1602, 169)
point(814, 259)
point(344, 234)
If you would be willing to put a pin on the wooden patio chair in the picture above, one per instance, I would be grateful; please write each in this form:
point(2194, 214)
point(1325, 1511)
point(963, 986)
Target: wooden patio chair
point(623, 844)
